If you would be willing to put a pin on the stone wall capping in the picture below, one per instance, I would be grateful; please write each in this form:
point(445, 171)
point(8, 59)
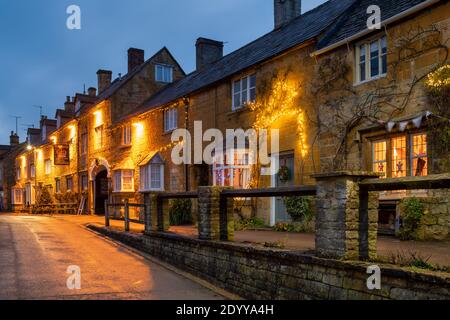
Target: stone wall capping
point(361, 174)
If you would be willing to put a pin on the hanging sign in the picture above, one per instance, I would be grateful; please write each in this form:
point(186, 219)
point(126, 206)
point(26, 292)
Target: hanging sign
point(61, 152)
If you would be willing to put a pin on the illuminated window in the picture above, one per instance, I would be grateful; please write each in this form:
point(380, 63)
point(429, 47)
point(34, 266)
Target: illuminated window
point(163, 73)
point(48, 166)
point(124, 181)
point(419, 155)
point(235, 175)
point(126, 135)
point(399, 162)
point(244, 91)
point(371, 60)
point(170, 119)
point(98, 137)
point(380, 157)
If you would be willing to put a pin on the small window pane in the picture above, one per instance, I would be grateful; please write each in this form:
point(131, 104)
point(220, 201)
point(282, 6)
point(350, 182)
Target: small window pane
point(399, 157)
point(419, 155)
point(379, 157)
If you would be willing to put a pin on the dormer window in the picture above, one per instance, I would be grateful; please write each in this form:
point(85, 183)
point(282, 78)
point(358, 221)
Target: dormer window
point(371, 60)
point(163, 73)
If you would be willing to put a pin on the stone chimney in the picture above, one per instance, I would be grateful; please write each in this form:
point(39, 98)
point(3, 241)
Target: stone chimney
point(13, 139)
point(69, 105)
point(135, 58)
point(92, 92)
point(286, 11)
point(104, 80)
point(208, 51)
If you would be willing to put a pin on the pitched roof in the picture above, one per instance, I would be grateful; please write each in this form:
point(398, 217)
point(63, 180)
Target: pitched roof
point(120, 82)
point(355, 18)
point(300, 30)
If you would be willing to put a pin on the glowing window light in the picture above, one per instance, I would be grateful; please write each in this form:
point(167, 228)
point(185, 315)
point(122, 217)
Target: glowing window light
point(139, 129)
point(98, 118)
point(73, 131)
point(53, 139)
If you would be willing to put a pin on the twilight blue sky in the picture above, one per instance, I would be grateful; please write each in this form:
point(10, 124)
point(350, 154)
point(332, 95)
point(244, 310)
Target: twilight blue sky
point(41, 61)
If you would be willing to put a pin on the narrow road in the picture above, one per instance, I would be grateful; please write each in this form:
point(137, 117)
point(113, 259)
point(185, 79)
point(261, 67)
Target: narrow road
point(35, 253)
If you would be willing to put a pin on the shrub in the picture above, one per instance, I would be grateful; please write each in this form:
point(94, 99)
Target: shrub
point(180, 212)
point(413, 211)
point(299, 208)
point(246, 224)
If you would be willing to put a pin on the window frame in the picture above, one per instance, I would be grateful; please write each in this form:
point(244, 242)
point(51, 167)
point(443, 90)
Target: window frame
point(127, 135)
point(47, 167)
point(412, 157)
point(248, 91)
point(236, 166)
point(368, 60)
point(409, 160)
point(146, 183)
point(119, 180)
point(170, 119)
point(84, 178)
point(32, 171)
point(57, 185)
point(17, 193)
point(69, 186)
point(165, 78)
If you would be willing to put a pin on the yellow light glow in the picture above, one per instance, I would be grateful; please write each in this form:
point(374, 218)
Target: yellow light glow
point(73, 131)
point(24, 161)
point(54, 139)
point(39, 154)
point(139, 129)
point(98, 118)
point(29, 147)
point(281, 104)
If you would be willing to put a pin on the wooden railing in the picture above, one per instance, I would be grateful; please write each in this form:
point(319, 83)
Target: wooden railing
point(126, 217)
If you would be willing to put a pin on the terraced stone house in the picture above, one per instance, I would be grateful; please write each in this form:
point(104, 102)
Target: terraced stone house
point(349, 97)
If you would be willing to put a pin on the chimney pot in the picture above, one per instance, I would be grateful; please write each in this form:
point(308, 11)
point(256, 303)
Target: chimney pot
point(13, 139)
point(135, 58)
point(92, 91)
point(208, 51)
point(104, 80)
point(286, 11)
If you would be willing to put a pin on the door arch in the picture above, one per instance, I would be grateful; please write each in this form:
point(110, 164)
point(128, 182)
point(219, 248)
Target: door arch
point(101, 191)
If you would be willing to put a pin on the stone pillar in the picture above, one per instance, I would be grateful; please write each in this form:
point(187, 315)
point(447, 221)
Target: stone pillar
point(346, 220)
point(215, 215)
point(156, 213)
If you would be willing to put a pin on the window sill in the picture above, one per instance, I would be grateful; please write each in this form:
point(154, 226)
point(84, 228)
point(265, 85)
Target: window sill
point(125, 146)
point(123, 192)
point(360, 83)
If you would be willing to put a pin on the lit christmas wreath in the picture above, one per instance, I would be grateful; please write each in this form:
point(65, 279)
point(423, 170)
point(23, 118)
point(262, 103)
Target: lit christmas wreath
point(284, 174)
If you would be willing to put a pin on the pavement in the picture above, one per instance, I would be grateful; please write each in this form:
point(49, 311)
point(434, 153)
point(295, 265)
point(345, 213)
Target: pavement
point(36, 252)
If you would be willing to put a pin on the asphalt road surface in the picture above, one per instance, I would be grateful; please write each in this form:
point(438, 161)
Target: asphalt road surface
point(36, 252)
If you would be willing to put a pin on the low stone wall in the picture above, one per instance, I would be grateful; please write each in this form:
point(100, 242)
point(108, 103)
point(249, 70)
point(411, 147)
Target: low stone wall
point(435, 223)
point(258, 273)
